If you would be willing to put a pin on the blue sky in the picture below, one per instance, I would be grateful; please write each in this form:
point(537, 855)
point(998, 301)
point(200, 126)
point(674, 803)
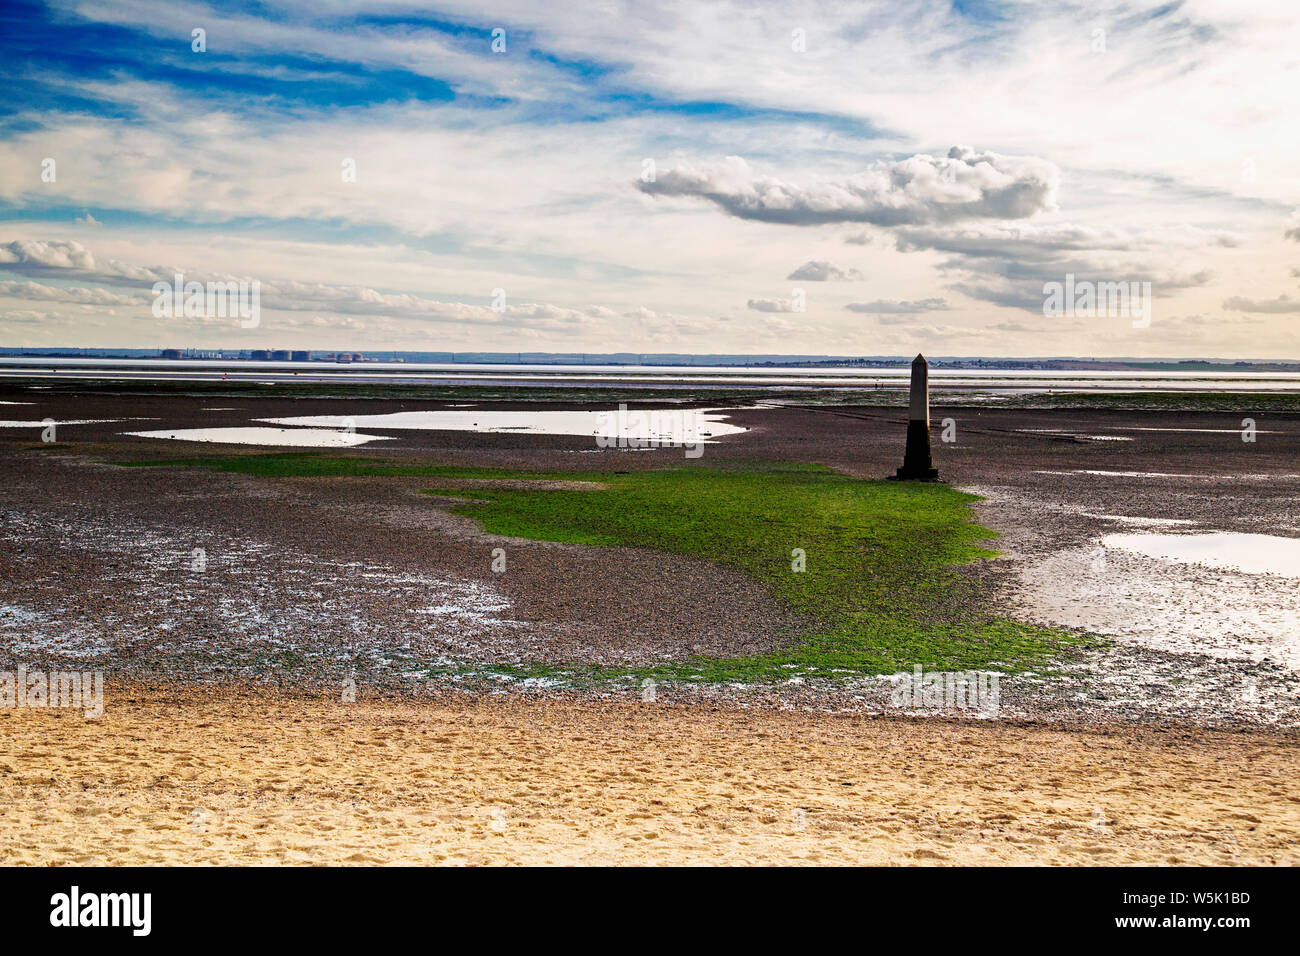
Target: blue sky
point(816, 177)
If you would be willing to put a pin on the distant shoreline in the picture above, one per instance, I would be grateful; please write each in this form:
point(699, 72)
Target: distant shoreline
point(653, 360)
point(622, 381)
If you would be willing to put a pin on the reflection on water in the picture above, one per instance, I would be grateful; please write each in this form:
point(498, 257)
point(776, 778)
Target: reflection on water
point(658, 426)
point(1126, 519)
point(1252, 553)
point(62, 421)
point(1120, 474)
point(259, 435)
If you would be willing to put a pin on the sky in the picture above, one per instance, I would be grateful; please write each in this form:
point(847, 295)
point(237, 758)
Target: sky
point(793, 177)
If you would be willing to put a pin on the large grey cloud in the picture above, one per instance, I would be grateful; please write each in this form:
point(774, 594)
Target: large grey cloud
point(919, 190)
point(1008, 263)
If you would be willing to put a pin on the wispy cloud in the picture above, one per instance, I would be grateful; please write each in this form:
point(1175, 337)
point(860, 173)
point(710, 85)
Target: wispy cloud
point(1281, 305)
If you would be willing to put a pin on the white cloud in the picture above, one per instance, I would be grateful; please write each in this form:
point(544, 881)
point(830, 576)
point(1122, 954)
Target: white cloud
point(820, 270)
point(34, 291)
point(49, 257)
point(33, 253)
point(770, 305)
point(898, 306)
point(921, 189)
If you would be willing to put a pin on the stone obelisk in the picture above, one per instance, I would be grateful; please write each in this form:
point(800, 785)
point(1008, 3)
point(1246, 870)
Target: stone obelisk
point(917, 465)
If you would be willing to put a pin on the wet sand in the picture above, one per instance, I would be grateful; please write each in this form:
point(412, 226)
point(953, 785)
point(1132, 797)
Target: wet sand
point(237, 777)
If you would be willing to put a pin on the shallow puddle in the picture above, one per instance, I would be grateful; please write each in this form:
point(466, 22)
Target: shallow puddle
point(1207, 431)
point(1069, 434)
point(656, 426)
point(1121, 474)
point(1153, 585)
point(1126, 519)
point(1251, 553)
point(260, 435)
point(73, 421)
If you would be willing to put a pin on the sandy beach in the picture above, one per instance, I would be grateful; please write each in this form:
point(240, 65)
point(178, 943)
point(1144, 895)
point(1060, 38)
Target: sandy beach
point(225, 738)
point(201, 776)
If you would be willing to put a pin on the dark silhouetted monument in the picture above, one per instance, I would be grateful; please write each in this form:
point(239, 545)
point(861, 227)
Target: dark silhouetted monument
point(916, 459)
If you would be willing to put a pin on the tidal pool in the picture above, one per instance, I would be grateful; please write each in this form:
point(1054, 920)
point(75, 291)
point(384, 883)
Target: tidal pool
point(1069, 434)
point(1194, 595)
point(1251, 553)
point(62, 421)
point(259, 435)
point(1126, 519)
point(651, 425)
point(1208, 431)
point(1121, 474)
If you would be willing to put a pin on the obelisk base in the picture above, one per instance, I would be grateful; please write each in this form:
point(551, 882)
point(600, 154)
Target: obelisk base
point(917, 465)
